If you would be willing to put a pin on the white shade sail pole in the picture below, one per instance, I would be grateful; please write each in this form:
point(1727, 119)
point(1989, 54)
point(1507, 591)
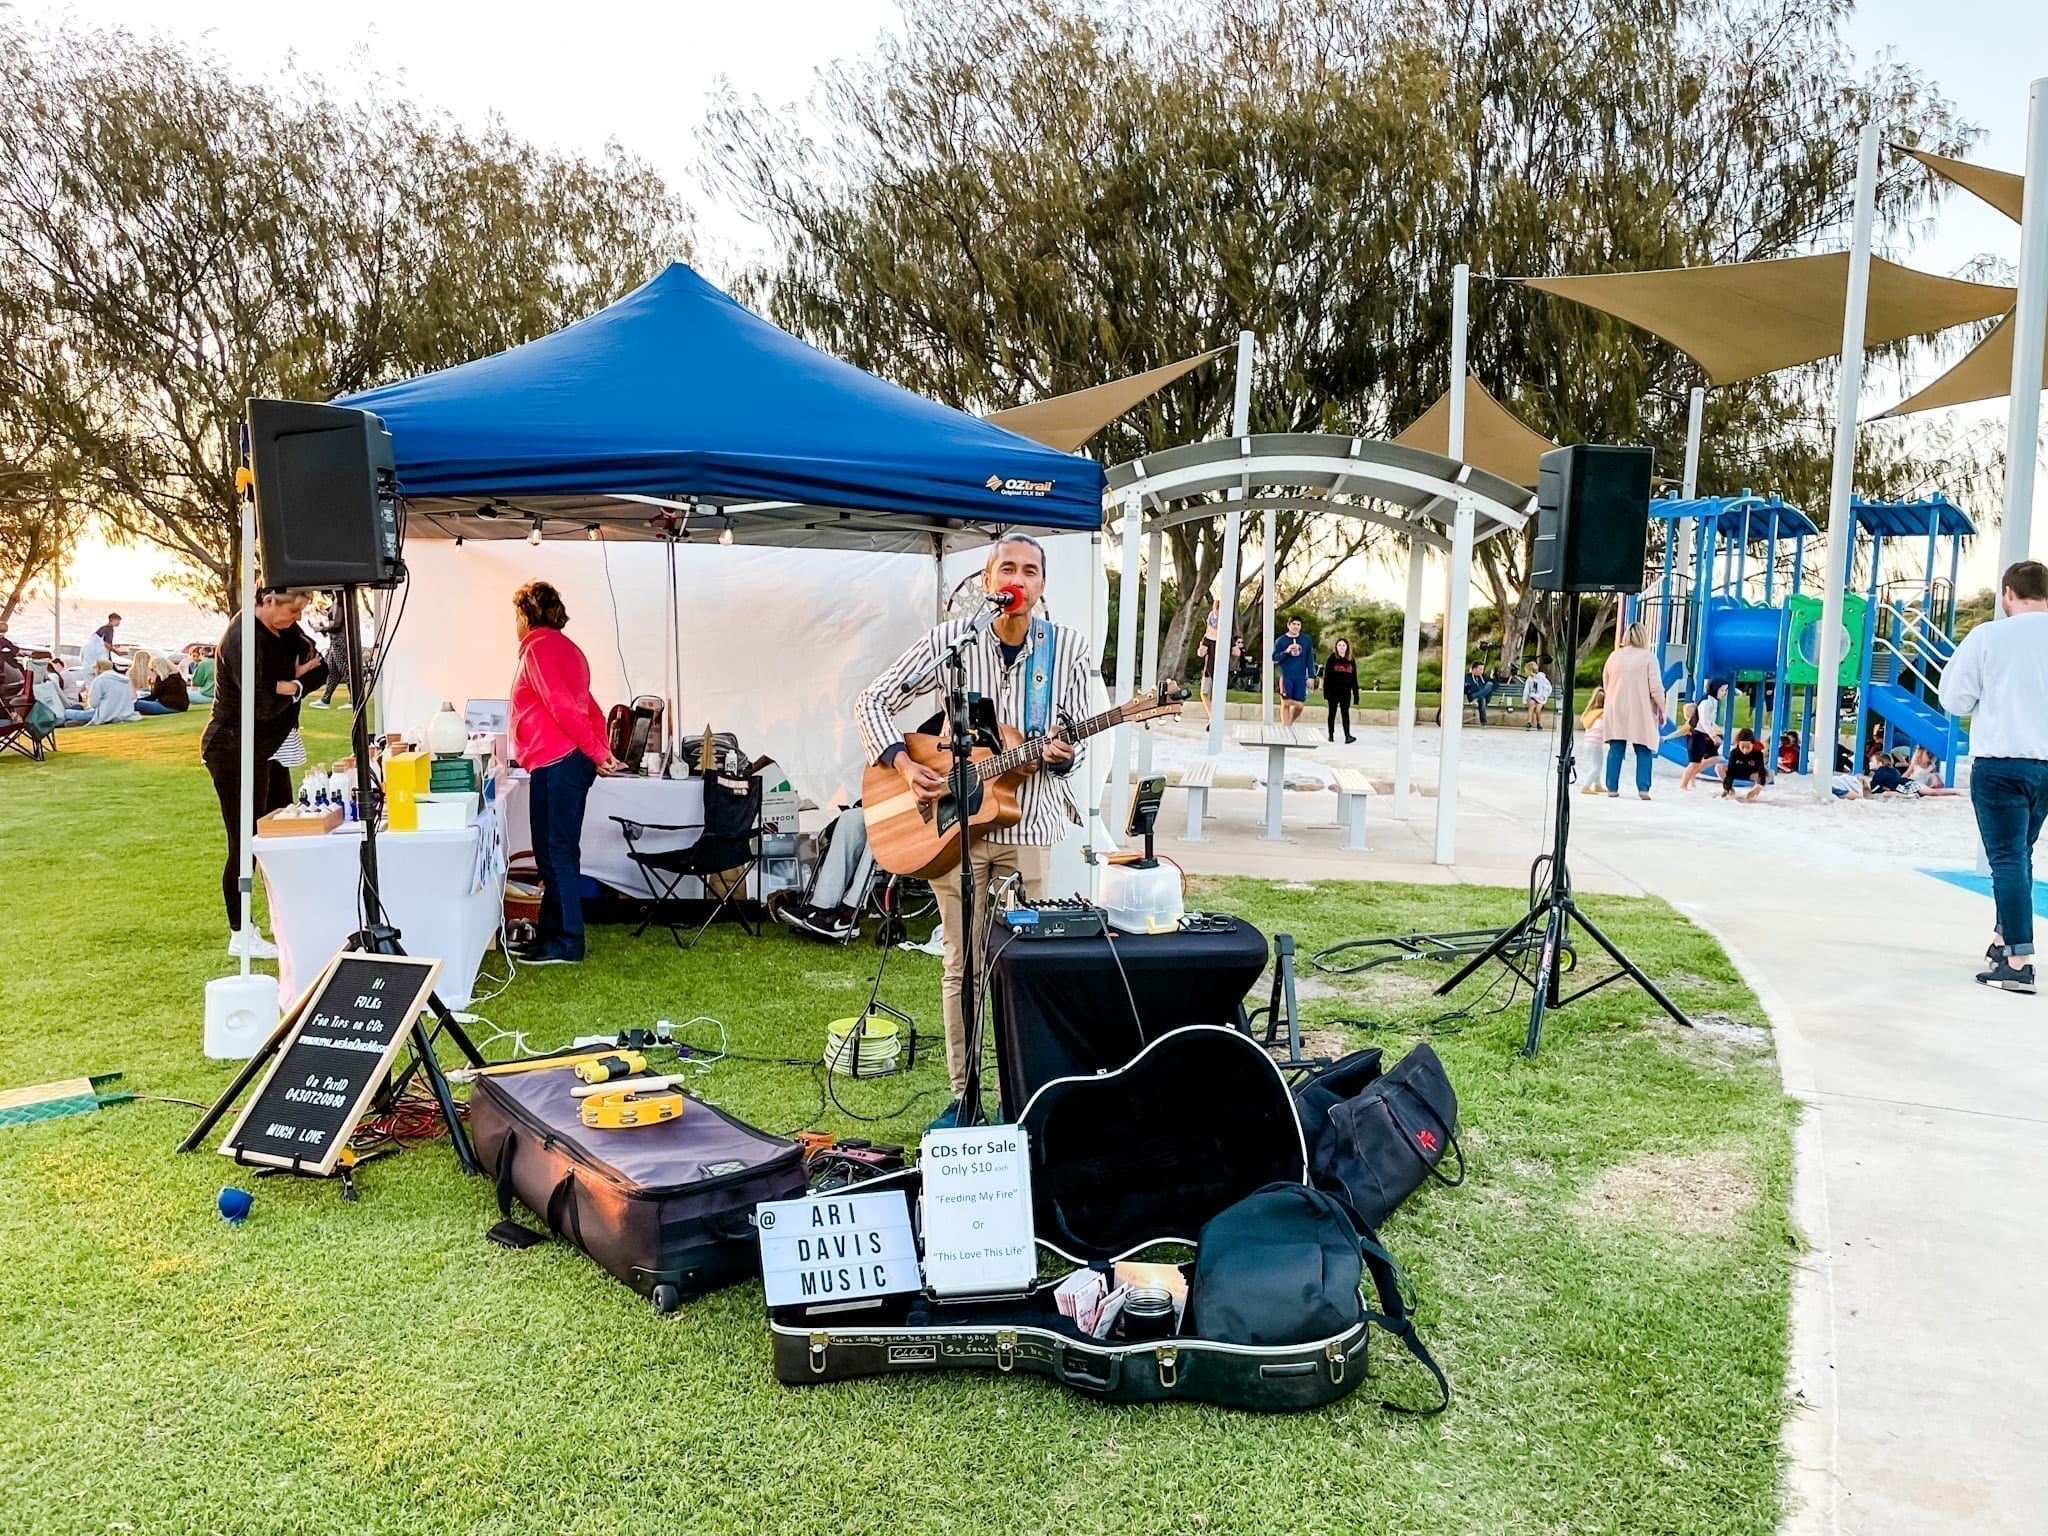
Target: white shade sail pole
point(1233, 537)
point(1272, 627)
point(1155, 585)
point(1126, 658)
point(1681, 530)
point(1458, 591)
point(1411, 656)
point(1841, 532)
point(246, 875)
point(2029, 339)
point(1098, 631)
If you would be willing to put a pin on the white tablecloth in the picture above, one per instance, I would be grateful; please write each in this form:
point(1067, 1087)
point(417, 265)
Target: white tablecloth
point(424, 880)
point(670, 802)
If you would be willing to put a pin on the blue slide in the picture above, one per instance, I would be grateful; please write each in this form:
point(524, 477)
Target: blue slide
point(1918, 721)
point(1672, 747)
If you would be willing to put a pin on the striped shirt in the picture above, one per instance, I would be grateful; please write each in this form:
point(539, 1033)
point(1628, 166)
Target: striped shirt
point(1046, 801)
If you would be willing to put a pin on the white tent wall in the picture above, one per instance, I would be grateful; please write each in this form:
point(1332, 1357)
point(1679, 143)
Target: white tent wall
point(775, 642)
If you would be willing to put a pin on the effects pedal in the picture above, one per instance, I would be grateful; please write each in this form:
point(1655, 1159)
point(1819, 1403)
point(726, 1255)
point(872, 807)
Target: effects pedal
point(1061, 917)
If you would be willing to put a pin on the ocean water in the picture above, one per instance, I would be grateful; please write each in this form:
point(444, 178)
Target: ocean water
point(151, 623)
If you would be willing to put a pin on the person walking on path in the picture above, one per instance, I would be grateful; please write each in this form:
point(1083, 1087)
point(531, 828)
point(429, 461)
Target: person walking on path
point(1294, 663)
point(1340, 687)
point(1999, 677)
point(558, 736)
point(1208, 668)
point(1635, 707)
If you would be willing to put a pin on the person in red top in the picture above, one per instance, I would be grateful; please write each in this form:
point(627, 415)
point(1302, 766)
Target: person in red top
point(558, 737)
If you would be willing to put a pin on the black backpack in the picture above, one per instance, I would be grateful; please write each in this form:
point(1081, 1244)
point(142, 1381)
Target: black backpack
point(1374, 1136)
point(1287, 1265)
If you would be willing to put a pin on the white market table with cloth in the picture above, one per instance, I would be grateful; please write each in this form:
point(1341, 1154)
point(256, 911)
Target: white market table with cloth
point(426, 881)
point(661, 802)
point(1278, 740)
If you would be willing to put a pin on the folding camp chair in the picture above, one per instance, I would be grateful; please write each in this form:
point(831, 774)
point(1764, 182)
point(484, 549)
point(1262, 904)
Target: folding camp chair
point(731, 841)
point(25, 725)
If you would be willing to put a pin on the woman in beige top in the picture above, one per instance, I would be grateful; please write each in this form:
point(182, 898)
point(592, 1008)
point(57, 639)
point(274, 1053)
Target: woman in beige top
point(1635, 707)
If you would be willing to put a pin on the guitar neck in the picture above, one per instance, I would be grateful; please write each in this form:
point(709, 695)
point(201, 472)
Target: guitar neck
point(1031, 751)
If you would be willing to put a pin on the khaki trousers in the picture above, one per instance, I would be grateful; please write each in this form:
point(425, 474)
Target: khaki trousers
point(994, 863)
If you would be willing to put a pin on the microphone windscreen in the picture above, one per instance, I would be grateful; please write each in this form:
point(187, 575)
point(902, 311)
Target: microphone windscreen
point(1015, 594)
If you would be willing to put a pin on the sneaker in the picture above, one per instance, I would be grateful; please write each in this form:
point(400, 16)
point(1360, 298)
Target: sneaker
point(318, 704)
point(947, 1119)
point(835, 926)
point(250, 942)
point(1995, 953)
point(1350, 740)
point(2007, 977)
point(783, 906)
point(1594, 788)
point(548, 954)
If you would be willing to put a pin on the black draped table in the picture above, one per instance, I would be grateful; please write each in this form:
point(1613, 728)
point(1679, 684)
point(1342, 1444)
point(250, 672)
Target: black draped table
point(1059, 1008)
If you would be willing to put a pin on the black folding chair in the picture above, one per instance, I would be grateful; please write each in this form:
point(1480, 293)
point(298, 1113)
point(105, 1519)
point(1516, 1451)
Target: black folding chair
point(731, 840)
point(18, 729)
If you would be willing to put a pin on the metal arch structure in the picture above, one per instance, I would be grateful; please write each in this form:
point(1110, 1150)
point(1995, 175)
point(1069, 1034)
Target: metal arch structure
point(1435, 503)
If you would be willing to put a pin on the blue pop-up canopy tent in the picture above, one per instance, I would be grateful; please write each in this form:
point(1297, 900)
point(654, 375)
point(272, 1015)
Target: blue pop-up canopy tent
point(678, 404)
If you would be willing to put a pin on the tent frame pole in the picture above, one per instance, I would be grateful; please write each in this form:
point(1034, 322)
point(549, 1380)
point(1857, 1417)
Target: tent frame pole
point(1128, 580)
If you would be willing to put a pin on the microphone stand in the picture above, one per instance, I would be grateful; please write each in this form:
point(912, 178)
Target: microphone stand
point(963, 791)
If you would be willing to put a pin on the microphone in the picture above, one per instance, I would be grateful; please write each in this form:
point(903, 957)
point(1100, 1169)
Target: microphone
point(1006, 598)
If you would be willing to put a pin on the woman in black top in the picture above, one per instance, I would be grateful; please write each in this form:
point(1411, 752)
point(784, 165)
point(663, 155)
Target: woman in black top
point(1340, 686)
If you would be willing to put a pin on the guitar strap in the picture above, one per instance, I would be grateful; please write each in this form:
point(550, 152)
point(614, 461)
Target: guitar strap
point(1038, 679)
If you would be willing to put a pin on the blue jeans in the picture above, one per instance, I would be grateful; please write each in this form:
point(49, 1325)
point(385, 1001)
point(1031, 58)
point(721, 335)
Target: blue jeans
point(1478, 694)
point(1644, 759)
point(555, 820)
point(151, 707)
point(2010, 797)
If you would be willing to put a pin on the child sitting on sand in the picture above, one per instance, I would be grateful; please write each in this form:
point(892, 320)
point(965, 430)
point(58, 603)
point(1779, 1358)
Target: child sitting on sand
point(1745, 761)
point(1788, 752)
point(1925, 773)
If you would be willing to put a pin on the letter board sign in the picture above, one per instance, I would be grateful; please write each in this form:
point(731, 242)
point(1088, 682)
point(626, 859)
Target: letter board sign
point(836, 1248)
point(349, 1026)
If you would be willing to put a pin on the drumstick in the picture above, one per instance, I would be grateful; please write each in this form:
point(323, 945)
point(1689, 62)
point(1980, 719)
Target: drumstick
point(626, 1085)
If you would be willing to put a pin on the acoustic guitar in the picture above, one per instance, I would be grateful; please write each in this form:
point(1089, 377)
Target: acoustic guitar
point(916, 837)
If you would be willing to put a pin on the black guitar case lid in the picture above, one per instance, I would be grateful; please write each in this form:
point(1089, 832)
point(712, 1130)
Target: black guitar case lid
point(1147, 1154)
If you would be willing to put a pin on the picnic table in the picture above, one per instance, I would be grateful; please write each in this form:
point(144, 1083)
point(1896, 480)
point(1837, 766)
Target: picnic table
point(1278, 740)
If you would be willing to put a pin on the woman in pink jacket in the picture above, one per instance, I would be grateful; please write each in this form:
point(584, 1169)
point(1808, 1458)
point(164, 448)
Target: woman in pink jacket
point(1635, 707)
point(558, 737)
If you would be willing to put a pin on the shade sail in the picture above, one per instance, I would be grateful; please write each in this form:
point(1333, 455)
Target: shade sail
point(1066, 422)
point(1495, 438)
point(679, 392)
point(1756, 317)
point(1984, 373)
point(2001, 189)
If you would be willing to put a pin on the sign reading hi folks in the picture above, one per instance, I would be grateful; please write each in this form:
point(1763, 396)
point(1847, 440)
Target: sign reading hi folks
point(342, 1037)
point(836, 1247)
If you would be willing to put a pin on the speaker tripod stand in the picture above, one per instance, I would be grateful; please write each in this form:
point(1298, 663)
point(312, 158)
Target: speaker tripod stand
point(1553, 911)
point(375, 936)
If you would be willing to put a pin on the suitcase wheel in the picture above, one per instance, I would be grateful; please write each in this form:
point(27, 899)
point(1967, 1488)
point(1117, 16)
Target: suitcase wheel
point(667, 1298)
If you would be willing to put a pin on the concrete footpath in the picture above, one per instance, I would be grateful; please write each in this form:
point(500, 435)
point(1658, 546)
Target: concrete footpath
point(1920, 1317)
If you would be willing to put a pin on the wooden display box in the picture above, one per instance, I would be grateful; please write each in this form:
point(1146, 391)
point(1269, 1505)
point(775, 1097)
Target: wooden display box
point(297, 821)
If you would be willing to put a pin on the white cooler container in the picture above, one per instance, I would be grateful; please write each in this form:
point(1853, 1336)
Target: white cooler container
point(1141, 900)
point(241, 1011)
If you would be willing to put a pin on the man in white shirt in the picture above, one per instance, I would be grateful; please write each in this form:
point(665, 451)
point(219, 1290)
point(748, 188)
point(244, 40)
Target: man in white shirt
point(1999, 677)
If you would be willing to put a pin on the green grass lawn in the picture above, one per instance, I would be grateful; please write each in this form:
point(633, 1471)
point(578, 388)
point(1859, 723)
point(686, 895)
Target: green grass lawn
point(1608, 1291)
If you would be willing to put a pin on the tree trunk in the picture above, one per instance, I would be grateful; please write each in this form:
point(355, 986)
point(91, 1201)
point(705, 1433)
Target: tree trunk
point(1197, 558)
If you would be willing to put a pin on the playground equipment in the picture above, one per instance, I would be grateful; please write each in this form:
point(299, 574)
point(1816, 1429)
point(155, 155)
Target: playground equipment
point(1730, 605)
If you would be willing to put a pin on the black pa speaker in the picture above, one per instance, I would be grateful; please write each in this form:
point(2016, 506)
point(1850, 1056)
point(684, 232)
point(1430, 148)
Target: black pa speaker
point(1592, 519)
point(326, 513)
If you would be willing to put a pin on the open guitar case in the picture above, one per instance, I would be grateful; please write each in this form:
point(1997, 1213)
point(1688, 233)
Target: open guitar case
point(1120, 1162)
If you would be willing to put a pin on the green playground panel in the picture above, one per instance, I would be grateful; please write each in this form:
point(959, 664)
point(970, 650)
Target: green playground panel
point(1802, 663)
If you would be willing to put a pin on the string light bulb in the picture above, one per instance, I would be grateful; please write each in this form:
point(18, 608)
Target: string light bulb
point(534, 537)
point(590, 533)
point(458, 541)
point(725, 534)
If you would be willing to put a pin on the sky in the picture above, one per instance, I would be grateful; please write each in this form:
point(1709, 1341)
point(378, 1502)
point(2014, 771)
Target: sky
point(643, 74)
